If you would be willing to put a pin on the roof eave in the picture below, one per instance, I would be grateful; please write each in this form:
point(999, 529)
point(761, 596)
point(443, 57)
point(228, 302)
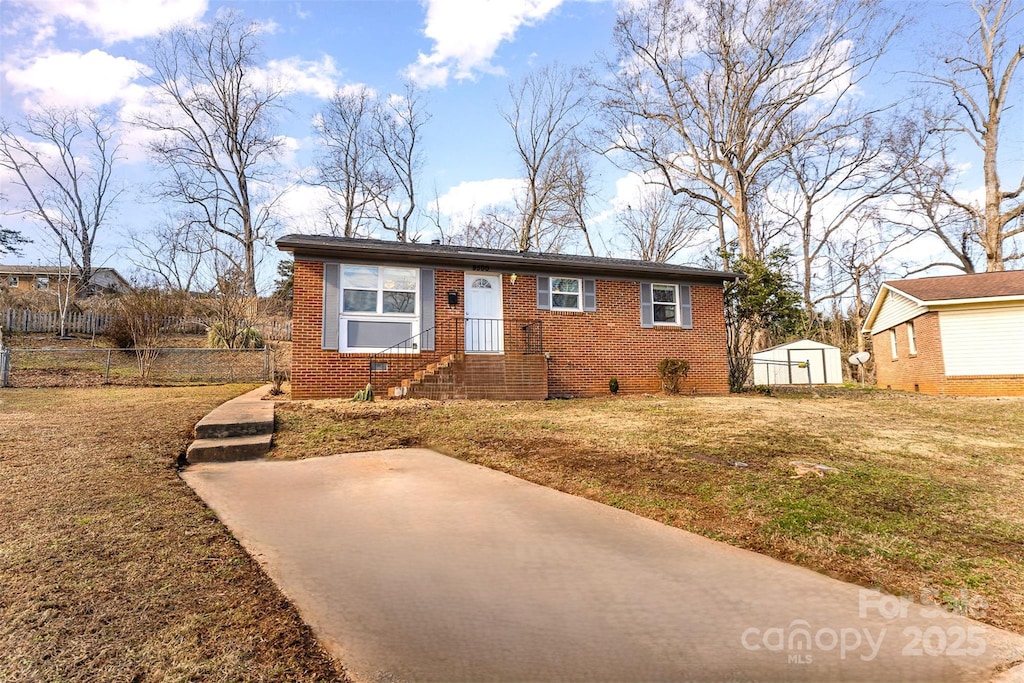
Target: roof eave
point(510, 261)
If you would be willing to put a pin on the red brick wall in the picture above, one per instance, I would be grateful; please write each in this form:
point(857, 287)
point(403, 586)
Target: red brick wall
point(925, 371)
point(586, 349)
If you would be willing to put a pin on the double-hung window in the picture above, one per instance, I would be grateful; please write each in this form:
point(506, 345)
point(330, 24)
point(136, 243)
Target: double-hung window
point(666, 304)
point(566, 294)
point(377, 290)
point(911, 339)
point(12, 281)
point(42, 283)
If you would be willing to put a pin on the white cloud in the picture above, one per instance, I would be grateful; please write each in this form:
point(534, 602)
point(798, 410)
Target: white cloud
point(116, 20)
point(74, 79)
point(468, 198)
point(467, 33)
point(295, 75)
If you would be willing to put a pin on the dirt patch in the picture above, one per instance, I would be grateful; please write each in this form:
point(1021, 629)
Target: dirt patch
point(111, 568)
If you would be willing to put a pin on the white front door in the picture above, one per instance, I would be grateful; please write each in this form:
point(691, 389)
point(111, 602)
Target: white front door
point(484, 320)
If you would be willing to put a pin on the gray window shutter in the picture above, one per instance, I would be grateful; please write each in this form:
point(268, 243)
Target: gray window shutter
point(685, 308)
point(332, 307)
point(427, 319)
point(646, 305)
point(590, 295)
point(544, 293)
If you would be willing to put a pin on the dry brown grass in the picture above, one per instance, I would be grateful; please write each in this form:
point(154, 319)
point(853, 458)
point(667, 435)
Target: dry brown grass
point(928, 498)
point(111, 568)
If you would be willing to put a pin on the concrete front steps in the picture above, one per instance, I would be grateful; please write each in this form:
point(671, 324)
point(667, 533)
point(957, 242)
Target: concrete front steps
point(240, 429)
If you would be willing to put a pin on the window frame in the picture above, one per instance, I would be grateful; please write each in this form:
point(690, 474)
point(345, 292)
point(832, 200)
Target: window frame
point(911, 339)
point(892, 343)
point(42, 283)
point(13, 281)
point(578, 294)
point(379, 311)
point(676, 316)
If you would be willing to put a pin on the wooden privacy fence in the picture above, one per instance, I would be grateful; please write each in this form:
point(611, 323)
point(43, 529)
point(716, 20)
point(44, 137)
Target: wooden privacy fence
point(25, 320)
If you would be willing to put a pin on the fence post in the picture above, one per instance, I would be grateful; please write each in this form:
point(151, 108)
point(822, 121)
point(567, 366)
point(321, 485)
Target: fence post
point(5, 366)
point(266, 363)
point(106, 373)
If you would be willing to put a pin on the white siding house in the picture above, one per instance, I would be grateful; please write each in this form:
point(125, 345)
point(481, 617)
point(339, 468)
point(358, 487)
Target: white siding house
point(961, 334)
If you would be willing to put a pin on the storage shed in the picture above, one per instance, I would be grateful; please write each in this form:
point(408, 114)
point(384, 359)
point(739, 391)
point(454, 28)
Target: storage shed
point(781, 364)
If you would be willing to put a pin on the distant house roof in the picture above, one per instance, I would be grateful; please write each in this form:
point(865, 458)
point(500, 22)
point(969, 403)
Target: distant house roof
point(919, 295)
point(444, 254)
point(54, 271)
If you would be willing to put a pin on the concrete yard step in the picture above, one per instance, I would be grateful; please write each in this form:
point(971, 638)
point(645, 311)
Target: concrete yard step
point(246, 415)
point(228, 449)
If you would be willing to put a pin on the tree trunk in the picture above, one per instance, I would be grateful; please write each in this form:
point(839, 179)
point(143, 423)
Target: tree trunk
point(992, 237)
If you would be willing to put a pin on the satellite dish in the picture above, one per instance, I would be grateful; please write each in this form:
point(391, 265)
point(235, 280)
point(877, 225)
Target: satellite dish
point(859, 358)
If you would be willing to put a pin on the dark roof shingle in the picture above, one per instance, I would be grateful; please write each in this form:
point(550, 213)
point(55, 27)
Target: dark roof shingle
point(335, 247)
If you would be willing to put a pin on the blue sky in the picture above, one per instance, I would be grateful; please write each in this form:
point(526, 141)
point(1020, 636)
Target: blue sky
point(464, 52)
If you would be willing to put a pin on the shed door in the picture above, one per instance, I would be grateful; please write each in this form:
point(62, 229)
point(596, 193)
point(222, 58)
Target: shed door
point(484, 319)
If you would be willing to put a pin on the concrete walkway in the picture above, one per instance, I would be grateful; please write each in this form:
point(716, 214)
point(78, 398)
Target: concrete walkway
point(411, 565)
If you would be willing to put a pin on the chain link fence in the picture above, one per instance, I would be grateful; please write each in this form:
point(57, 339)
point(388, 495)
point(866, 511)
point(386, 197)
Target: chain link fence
point(134, 367)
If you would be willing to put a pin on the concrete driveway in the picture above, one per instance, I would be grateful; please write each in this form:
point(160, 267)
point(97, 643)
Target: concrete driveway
point(410, 565)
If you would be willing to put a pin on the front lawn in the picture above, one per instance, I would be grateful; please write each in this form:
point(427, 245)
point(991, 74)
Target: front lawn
point(111, 569)
point(927, 501)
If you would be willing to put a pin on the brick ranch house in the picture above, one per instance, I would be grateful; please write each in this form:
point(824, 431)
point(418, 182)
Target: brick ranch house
point(957, 335)
point(443, 321)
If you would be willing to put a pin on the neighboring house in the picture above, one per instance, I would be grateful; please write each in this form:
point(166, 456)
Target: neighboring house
point(448, 321)
point(26, 278)
point(821, 364)
point(960, 335)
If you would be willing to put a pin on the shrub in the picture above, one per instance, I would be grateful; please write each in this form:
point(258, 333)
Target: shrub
point(672, 372)
point(224, 336)
point(119, 331)
point(613, 385)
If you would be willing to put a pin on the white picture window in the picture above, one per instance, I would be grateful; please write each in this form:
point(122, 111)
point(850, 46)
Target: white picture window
point(42, 283)
point(911, 339)
point(892, 343)
point(666, 304)
point(566, 294)
point(379, 290)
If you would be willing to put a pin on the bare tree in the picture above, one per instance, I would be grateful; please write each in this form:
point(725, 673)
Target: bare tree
point(215, 132)
point(547, 107)
point(702, 88)
point(924, 201)
point(174, 253)
point(397, 126)
point(657, 226)
point(981, 80)
point(495, 228)
point(828, 183)
point(63, 162)
point(576, 191)
point(348, 165)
